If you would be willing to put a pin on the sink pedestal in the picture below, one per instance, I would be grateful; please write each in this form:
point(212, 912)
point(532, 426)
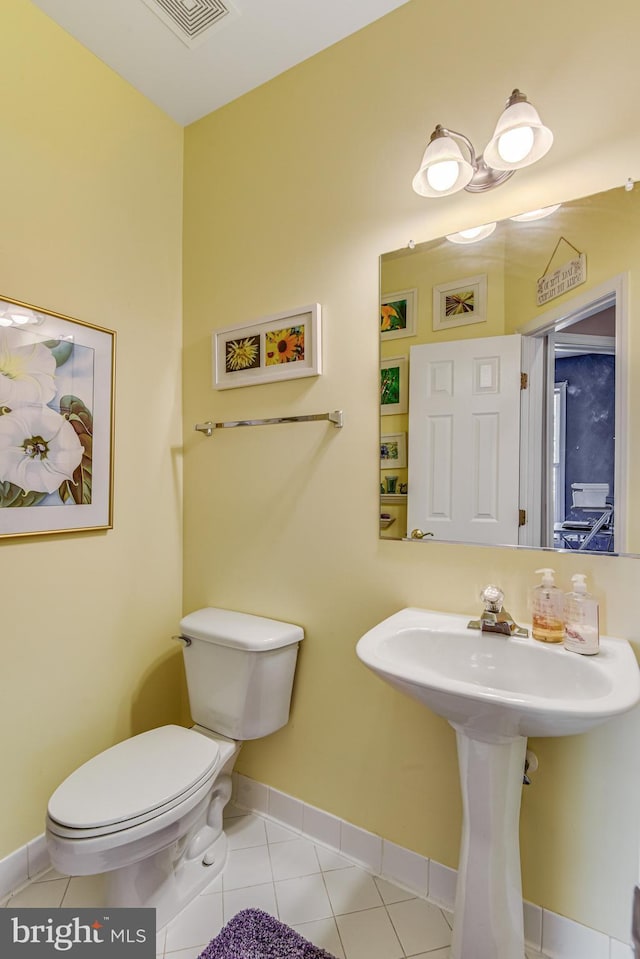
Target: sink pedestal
point(488, 917)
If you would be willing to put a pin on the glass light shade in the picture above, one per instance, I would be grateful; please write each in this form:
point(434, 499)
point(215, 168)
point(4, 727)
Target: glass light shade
point(472, 235)
point(516, 144)
point(443, 170)
point(441, 176)
point(519, 138)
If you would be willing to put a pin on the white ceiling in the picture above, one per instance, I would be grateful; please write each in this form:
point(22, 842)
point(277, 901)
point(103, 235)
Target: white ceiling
point(256, 41)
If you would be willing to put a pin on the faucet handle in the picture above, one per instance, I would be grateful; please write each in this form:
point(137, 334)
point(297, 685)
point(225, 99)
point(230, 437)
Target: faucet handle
point(492, 597)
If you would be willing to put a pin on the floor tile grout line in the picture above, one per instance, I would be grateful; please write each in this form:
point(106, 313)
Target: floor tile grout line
point(273, 878)
point(393, 926)
point(333, 913)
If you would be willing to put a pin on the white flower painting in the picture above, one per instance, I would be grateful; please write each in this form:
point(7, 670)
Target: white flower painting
point(49, 385)
point(44, 437)
point(27, 370)
point(39, 449)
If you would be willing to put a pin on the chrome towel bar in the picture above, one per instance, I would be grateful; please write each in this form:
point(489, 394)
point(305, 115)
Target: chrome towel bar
point(336, 417)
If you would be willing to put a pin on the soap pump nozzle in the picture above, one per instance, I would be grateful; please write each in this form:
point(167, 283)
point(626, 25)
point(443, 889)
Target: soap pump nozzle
point(547, 576)
point(579, 581)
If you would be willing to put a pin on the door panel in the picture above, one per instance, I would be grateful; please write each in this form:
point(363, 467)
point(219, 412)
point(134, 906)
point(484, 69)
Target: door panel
point(464, 421)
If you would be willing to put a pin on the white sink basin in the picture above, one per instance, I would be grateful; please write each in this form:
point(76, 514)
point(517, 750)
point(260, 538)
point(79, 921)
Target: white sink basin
point(493, 684)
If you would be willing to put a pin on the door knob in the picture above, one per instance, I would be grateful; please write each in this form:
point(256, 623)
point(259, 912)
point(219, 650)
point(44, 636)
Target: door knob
point(418, 534)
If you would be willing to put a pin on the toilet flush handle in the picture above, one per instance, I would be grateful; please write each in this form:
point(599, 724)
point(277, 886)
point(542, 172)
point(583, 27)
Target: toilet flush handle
point(182, 639)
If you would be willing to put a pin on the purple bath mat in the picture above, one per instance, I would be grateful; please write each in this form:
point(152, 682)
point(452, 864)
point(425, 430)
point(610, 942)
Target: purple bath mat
point(253, 934)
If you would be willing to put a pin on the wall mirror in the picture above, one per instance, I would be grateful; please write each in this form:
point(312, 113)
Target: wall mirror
point(507, 402)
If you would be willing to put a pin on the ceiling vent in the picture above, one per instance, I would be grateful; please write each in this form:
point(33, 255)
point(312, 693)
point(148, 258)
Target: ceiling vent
point(191, 20)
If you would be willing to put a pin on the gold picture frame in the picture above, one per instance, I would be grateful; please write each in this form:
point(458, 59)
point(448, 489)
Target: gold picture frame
point(56, 422)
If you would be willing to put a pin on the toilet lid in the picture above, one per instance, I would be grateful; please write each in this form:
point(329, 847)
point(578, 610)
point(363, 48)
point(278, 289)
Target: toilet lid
point(134, 777)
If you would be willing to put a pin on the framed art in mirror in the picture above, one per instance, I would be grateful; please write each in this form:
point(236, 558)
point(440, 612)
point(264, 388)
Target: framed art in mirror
point(393, 385)
point(56, 422)
point(460, 302)
point(398, 314)
point(393, 450)
point(283, 346)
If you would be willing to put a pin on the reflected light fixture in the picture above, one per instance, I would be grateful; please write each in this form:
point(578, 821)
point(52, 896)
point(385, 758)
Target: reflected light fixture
point(473, 234)
point(19, 316)
point(519, 139)
point(538, 214)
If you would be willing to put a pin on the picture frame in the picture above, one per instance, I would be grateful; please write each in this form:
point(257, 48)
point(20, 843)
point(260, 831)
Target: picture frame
point(283, 346)
point(460, 302)
point(394, 393)
point(398, 312)
point(56, 422)
point(393, 451)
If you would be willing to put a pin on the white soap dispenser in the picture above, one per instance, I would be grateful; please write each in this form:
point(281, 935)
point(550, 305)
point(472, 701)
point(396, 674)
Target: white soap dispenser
point(547, 609)
point(581, 619)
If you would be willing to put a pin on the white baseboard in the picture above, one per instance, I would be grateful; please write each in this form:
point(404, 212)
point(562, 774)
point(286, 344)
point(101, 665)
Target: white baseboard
point(545, 931)
point(19, 867)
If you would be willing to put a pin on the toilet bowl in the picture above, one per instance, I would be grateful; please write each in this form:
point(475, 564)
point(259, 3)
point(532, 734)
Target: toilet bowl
point(148, 812)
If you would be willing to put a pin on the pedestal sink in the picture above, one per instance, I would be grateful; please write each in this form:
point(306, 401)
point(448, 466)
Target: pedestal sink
point(496, 691)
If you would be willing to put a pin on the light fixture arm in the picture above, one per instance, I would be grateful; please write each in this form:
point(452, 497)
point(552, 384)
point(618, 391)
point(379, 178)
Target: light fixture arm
point(441, 131)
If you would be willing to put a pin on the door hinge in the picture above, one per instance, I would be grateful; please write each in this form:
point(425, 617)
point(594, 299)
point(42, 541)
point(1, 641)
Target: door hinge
point(522, 517)
point(524, 381)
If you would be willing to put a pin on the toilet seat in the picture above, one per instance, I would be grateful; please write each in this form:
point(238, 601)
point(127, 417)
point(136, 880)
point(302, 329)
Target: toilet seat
point(136, 780)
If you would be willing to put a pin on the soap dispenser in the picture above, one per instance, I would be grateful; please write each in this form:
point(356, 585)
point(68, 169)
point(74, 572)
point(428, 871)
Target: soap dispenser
point(547, 609)
point(581, 620)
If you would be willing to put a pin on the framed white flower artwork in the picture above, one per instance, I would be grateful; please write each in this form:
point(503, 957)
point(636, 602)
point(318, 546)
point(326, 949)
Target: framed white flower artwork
point(56, 422)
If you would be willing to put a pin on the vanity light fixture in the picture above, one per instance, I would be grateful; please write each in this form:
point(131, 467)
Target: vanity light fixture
point(519, 139)
point(472, 235)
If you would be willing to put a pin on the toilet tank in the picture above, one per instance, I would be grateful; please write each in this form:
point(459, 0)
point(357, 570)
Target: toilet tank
point(239, 671)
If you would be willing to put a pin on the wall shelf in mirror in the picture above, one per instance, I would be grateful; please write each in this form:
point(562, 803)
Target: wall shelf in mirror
point(479, 458)
point(398, 499)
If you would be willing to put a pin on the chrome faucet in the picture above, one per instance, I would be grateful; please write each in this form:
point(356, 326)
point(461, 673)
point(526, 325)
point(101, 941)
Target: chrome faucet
point(495, 618)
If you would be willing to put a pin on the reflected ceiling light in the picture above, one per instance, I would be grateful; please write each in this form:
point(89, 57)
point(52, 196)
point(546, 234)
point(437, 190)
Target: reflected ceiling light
point(535, 214)
point(473, 235)
point(518, 140)
point(17, 316)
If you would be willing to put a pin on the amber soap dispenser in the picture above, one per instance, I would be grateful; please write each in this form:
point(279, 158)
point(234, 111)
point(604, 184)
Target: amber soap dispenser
point(547, 609)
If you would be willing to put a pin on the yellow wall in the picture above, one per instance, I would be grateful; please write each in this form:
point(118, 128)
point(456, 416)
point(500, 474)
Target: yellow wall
point(291, 194)
point(91, 178)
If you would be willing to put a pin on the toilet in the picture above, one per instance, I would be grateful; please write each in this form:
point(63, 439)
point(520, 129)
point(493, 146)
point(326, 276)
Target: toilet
point(148, 811)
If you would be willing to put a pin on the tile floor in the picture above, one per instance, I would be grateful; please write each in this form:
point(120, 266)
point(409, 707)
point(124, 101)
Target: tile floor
point(327, 898)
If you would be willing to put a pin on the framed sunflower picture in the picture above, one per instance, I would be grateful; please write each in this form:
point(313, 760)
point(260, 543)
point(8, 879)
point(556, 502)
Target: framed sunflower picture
point(283, 346)
point(56, 422)
point(460, 302)
point(398, 314)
